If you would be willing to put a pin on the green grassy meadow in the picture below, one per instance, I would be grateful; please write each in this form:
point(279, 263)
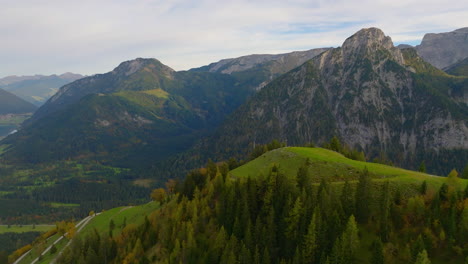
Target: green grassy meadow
point(324, 163)
point(25, 228)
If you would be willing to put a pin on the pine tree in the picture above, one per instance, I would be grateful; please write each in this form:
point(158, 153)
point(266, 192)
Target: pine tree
point(363, 197)
point(377, 252)
point(292, 220)
point(309, 246)
point(422, 258)
point(463, 224)
point(302, 177)
point(350, 240)
point(385, 212)
point(424, 188)
point(464, 174)
point(422, 167)
point(346, 199)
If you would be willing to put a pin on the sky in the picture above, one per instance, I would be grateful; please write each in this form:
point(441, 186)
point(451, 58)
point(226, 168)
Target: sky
point(94, 36)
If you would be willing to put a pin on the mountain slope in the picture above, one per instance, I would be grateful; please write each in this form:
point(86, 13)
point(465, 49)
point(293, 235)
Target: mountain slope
point(11, 104)
point(141, 112)
point(36, 89)
point(261, 69)
point(220, 217)
point(458, 69)
point(370, 94)
point(444, 49)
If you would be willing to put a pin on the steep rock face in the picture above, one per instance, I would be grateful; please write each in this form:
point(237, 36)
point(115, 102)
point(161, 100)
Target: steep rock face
point(444, 49)
point(364, 92)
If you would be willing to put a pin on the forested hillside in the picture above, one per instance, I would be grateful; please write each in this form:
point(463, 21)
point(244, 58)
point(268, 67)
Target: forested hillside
point(378, 214)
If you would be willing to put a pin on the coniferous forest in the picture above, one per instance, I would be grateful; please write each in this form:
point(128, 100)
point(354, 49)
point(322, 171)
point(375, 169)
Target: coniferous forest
point(213, 217)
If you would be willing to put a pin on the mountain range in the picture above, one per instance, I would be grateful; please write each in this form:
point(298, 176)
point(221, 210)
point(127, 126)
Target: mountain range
point(374, 96)
point(36, 89)
point(12, 104)
point(107, 140)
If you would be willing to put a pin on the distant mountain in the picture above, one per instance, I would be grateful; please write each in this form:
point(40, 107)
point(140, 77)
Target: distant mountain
point(261, 69)
point(458, 69)
point(12, 104)
point(139, 112)
point(370, 94)
point(444, 49)
point(38, 88)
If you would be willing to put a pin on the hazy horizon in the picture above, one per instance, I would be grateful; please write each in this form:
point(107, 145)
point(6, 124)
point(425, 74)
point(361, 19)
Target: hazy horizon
point(53, 37)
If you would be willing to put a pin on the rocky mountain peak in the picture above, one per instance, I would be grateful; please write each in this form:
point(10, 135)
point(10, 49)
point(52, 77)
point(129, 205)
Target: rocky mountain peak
point(132, 66)
point(368, 41)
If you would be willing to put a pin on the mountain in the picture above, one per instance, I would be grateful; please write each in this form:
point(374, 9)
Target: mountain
point(260, 69)
point(458, 69)
point(38, 88)
point(140, 112)
point(12, 104)
point(370, 94)
point(290, 205)
point(444, 49)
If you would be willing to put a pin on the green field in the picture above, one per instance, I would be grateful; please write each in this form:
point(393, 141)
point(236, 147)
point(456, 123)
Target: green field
point(34, 253)
point(127, 214)
point(334, 166)
point(58, 205)
point(120, 215)
point(25, 228)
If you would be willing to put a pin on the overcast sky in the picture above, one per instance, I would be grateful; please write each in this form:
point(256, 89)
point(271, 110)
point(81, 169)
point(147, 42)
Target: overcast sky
point(94, 36)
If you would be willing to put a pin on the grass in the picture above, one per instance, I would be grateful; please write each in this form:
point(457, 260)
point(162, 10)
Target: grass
point(58, 205)
point(158, 93)
point(36, 251)
point(127, 214)
point(334, 166)
point(25, 228)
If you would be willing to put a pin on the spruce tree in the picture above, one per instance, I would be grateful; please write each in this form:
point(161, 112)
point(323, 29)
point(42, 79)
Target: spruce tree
point(363, 197)
point(422, 258)
point(309, 246)
point(422, 167)
point(385, 212)
point(377, 252)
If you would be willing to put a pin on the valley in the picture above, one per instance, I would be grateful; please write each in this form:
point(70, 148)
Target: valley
point(352, 154)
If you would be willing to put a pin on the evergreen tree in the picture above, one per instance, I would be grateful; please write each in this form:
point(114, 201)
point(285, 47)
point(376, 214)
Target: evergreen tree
point(346, 199)
point(363, 197)
point(444, 192)
point(422, 167)
point(422, 258)
point(464, 174)
point(303, 178)
point(385, 212)
point(350, 240)
point(424, 188)
point(377, 252)
point(310, 241)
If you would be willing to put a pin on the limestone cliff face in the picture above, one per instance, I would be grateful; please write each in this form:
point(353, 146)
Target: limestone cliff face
point(444, 49)
point(364, 92)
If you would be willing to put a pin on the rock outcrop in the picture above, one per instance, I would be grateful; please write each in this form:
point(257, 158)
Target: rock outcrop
point(444, 49)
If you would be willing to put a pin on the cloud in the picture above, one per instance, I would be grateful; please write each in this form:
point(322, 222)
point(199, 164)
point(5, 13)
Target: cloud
point(54, 36)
